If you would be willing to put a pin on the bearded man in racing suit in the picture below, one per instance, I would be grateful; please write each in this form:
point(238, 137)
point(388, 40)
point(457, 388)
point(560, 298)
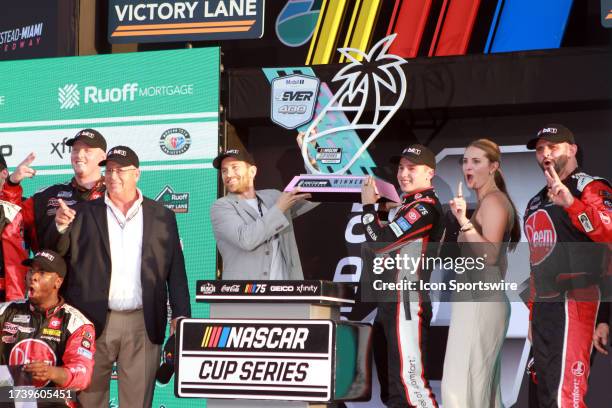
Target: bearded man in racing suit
point(50, 340)
point(402, 322)
point(561, 223)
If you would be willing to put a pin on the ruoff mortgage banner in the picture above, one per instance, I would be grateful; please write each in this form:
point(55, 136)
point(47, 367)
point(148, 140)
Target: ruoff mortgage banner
point(142, 21)
point(163, 104)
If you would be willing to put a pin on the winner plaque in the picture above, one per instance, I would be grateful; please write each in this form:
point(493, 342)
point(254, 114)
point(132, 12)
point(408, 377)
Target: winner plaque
point(339, 188)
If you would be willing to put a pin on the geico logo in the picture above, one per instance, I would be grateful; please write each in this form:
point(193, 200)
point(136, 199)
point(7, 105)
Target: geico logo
point(282, 289)
point(263, 337)
point(94, 94)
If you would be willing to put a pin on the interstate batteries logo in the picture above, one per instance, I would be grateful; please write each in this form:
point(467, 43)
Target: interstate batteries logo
point(175, 141)
point(71, 96)
point(177, 202)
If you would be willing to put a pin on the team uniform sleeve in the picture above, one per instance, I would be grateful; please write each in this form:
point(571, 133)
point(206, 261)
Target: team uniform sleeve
point(592, 212)
point(78, 358)
point(13, 193)
point(411, 222)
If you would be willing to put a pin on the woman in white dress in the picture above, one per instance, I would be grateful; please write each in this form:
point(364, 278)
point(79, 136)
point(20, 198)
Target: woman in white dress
point(478, 328)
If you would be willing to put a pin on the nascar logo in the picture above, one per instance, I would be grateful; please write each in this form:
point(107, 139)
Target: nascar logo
point(288, 338)
point(255, 288)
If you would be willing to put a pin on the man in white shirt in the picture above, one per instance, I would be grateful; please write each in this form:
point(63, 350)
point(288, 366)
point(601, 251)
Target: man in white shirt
point(125, 261)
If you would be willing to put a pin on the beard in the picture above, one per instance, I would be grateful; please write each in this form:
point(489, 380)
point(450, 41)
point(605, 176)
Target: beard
point(558, 164)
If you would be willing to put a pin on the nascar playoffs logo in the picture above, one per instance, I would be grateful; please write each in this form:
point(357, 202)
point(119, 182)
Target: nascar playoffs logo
point(293, 100)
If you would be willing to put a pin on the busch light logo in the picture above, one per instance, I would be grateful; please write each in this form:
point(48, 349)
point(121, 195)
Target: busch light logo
point(68, 96)
point(293, 100)
point(175, 141)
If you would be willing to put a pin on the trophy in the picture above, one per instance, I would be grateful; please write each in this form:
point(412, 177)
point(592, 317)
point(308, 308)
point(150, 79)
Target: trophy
point(330, 144)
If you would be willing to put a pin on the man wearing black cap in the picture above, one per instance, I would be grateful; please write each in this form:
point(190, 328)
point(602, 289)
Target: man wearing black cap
point(125, 261)
point(572, 210)
point(12, 247)
point(50, 339)
point(402, 325)
point(88, 148)
point(254, 228)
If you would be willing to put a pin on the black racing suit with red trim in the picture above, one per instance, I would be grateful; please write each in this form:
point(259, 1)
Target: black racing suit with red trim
point(38, 211)
point(402, 323)
point(566, 269)
point(61, 337)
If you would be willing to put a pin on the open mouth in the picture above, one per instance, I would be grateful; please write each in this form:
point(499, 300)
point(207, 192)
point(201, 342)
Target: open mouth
point(469, 178)
point(30, 292)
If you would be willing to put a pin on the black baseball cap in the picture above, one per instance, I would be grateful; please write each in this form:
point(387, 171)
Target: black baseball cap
point(166, 369)
point(48, 261)
point(2, 163)
point(121, 155)
point(554, 133)
point(238, 154)
point(90, 137)
point(418, 154)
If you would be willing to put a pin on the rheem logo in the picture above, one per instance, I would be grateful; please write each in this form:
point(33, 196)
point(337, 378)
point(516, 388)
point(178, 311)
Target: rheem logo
point(541, 235)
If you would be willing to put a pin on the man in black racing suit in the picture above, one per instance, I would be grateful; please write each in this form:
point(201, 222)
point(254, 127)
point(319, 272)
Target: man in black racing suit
point(47, 338)
point(561, 223)
point(402, 321)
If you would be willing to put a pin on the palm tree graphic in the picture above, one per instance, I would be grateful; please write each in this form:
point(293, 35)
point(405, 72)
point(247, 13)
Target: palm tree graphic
point(382, 70)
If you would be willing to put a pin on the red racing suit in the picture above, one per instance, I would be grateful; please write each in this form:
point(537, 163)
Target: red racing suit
point(13, 250)
point(566, 270)
point(38, 211)
point(61, 337)
point(402, 322)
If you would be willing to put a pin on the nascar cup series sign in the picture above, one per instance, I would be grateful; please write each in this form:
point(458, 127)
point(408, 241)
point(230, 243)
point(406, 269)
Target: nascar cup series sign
point(138, 21)
point(289, 360)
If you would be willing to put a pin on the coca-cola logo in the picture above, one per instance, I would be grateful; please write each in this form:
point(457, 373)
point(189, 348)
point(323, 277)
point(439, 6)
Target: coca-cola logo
point(29, 350)
point(541, 235)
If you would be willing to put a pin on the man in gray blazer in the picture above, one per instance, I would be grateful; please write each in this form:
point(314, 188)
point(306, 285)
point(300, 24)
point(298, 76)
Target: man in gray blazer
point(254, 228)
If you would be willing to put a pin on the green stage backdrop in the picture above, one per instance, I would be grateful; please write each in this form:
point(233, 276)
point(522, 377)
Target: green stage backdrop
point(164, 105)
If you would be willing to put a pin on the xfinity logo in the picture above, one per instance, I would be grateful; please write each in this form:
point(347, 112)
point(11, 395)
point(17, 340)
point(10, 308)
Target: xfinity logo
point(60, 148)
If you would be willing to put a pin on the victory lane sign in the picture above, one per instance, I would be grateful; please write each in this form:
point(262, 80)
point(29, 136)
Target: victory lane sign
point(263, 359)
point(139, 21)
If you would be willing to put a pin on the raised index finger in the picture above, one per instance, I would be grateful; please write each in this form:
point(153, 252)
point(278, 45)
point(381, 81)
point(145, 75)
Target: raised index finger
point(29, 159)
point(460, 189)
point(549, 178)
point(553, 174)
